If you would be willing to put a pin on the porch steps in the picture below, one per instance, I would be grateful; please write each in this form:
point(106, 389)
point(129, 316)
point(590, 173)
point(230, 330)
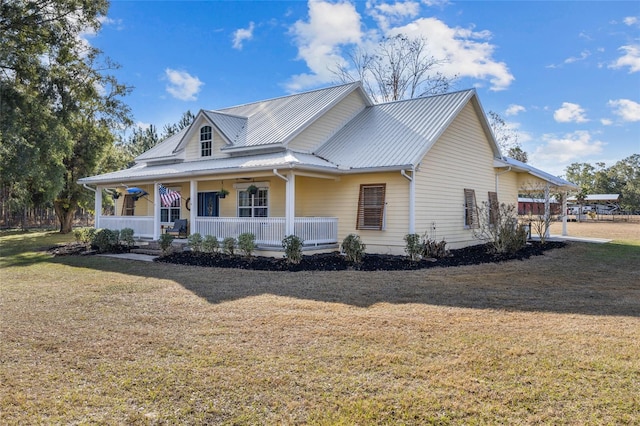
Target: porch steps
point(153, 247)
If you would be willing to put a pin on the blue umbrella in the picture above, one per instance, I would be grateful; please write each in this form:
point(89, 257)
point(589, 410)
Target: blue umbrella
point(137, 192)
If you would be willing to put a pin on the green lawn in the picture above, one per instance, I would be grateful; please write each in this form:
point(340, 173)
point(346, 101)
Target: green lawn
point(550, 340)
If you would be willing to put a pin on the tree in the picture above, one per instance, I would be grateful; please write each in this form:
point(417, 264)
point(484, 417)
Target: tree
point(184, 122)
point(583, 175)
point(399, 68)
point(58, 106)
point(506, 137)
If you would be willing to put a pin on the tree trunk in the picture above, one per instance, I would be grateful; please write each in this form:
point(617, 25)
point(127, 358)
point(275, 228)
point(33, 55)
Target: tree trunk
point(64, 212)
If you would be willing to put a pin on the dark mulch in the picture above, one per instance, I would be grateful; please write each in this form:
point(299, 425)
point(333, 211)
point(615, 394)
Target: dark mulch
point(473, 255)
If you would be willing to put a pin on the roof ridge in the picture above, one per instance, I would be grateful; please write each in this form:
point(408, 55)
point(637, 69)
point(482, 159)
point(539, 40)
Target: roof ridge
point(427, 97)
point(283, 97)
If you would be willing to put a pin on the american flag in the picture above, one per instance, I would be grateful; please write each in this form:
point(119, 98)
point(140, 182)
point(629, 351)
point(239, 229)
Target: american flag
point(167, 196)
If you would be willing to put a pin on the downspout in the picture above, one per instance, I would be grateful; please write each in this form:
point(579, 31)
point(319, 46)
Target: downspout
point(289, 203)
point(412, 199)
point(88, 187)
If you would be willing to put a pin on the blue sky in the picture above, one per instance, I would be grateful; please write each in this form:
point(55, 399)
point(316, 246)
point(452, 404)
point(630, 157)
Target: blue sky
point(566, 74)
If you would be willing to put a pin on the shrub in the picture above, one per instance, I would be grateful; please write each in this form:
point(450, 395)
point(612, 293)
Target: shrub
point(292, 248)
point(210, 244)
point(247, 243)
point(165, 241)
point(105, 240)
point(433, 249)
point(126, 237)
point(499, 227)
point(84, 235)
point(229, 245)
point(195, 242)
point(354, 248)
point(413, 246)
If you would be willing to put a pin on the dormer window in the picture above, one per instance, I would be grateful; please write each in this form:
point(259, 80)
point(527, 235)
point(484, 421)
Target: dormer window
point(206, 141)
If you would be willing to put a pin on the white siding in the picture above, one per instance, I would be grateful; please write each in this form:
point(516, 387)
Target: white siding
point(322, 129)
point(192, 148)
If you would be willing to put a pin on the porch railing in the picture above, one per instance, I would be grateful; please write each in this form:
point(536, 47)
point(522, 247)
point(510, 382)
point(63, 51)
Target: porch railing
point(270, 231)
point(142, 225)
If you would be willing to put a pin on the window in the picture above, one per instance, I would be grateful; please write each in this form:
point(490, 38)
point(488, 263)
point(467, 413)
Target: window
point(253, 205)
point(208, 204)
point(128, 205)
point(171, 213)
point(371, 207)
point(494, 208)
point(470, 209)
point(206, 139)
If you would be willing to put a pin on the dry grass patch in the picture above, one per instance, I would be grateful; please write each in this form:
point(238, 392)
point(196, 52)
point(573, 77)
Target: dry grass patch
point(549, 340)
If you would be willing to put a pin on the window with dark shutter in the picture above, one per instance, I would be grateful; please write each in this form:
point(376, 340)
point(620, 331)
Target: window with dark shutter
point(493, 208)
point(470, 209)
point(371, 207)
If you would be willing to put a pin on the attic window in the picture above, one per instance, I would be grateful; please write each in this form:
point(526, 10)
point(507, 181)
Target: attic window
point(371, 207)
point(205, 141)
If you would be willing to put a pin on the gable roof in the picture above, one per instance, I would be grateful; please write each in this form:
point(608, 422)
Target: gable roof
point(398, 134)
point(163, 150)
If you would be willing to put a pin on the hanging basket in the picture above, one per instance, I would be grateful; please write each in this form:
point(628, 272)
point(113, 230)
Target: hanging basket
point(223, 193)
point(252, 190)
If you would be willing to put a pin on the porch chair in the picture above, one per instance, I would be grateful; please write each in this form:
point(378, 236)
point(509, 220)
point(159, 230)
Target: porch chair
point(179, 228)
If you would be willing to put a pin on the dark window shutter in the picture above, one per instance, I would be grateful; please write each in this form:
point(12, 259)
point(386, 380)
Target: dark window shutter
point(470, 209)
point(371, 207)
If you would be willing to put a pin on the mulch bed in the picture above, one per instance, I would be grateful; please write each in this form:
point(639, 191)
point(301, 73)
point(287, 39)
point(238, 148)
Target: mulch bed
point(473, 255)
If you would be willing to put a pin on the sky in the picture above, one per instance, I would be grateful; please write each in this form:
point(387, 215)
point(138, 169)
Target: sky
point(564, 74)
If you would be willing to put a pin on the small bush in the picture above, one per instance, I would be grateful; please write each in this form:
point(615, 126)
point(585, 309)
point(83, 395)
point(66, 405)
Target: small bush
point(354, 248)
point(247, 243)
point(84, 235)
point(105, 240)
point(499, 228)
point(292, 245)
point(433, 249)
point(413, 246)
point(229, 246)
point(165, 241)
point(126, 237)
point(210, 244)
point(195, 242)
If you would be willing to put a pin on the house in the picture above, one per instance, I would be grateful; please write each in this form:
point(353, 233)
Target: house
point(324, 163)
point(536, 206)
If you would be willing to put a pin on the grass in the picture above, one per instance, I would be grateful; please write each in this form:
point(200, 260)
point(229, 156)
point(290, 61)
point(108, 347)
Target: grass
point(550, 340)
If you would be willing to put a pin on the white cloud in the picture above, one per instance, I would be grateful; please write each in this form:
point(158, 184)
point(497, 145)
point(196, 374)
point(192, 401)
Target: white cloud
point(468, 52)
point(329, 26)
point(630, 59)
point(557, 151)
point(606, 122)
point(583, 55)
point(386, 14)
point(182, 85)
point(242, 34)
point(142, 125)
point(631, 20)
point(626, 109)
point(570, 113)
point(332, 26)
point(514, 109)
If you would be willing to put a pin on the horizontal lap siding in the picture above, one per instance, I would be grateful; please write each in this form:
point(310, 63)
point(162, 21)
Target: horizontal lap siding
point(461, 158)
point(192, 149)
point(324, 197)
point(323, 128)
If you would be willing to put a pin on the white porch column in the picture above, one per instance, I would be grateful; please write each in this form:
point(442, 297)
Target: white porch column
point(98, 206)
point(412, 199)
point(290, 204)
point(547, 209)
point(564, 213)
point(156, 211)
point(193, 193)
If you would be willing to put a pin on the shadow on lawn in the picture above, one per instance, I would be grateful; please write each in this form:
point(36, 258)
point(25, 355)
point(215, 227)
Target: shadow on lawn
point(546, 284)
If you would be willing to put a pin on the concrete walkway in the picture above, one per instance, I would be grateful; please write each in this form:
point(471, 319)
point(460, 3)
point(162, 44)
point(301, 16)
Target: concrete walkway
point(578, 239)
point(131, 256)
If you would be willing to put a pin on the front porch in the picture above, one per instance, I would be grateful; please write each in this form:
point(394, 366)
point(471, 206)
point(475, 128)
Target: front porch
point(269, 231)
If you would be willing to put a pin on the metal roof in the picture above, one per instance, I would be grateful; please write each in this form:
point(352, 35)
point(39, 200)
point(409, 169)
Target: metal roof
point(276, 121)
point(527, 168)
point(598, 197)
point(233, 127)
point(393, 134)
point(164, 149)
point(283, 159)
